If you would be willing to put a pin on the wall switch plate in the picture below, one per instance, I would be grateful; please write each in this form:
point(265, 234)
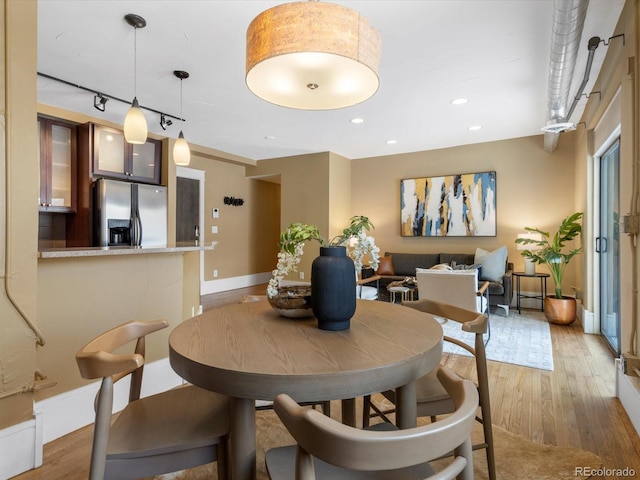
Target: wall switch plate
point(215, 273)
point(301, 275)
point(214, 229)
point(215, 213)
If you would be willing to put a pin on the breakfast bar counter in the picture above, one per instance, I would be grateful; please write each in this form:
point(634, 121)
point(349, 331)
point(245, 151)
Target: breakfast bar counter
point(108, 251)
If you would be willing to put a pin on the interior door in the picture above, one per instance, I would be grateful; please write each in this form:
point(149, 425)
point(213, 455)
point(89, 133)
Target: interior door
point(187, 209)
point(608, 246)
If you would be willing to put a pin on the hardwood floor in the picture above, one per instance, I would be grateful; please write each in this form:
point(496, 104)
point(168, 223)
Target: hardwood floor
point(572, 406)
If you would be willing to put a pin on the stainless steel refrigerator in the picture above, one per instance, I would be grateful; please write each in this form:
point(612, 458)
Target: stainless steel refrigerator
point(127, 213)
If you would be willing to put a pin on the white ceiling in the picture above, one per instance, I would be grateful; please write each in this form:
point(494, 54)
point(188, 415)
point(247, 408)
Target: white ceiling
point(495, 53)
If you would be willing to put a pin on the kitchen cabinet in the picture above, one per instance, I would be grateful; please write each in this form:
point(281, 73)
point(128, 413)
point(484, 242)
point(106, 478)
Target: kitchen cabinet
point(115, 158)
point(57, 151)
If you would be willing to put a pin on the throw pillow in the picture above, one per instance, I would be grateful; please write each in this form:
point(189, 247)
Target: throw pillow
point(385, 266)
point(493, 263)
point(461, 266)
point(441, 266)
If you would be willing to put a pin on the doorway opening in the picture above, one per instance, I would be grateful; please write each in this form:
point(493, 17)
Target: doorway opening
point(190, 209)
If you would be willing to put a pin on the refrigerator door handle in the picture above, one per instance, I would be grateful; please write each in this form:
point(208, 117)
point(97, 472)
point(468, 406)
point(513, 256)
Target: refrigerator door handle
point(136, 224)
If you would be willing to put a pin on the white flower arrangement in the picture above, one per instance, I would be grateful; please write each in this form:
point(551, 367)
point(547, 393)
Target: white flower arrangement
point(292, 247)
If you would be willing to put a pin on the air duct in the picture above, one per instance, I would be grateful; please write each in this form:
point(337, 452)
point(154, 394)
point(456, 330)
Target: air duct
point(568, 22)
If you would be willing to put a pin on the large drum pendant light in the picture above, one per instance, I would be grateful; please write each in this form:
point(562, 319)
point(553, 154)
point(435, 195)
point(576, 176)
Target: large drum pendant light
point(135, 125)
point(312, 56)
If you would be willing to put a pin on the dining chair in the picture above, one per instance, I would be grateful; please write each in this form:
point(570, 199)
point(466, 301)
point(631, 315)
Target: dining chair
point(329, 450)
point(431, 396)
point(363, 288)
point(177, 429)
point(455, 287)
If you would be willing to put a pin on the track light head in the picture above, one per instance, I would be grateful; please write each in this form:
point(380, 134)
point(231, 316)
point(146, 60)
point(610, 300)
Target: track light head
point(165, 122)
point(100, 101)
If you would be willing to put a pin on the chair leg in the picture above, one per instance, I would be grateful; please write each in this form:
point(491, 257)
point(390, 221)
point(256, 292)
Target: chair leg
point(326, 408)
point(366, 409)
point(223, 461)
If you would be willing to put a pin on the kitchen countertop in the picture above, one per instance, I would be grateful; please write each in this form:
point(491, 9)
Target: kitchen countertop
point(107, 251)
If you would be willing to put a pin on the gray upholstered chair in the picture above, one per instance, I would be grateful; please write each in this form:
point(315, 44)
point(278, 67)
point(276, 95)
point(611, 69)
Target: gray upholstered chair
point(328, 450)
point(431, 396)
point(170, 431)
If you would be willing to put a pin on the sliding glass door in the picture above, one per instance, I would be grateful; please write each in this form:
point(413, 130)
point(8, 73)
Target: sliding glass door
point(608, 246)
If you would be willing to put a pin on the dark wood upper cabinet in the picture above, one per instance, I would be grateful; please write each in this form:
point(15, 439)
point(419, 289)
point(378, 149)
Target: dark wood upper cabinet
point(58, 159)
point(115, 158)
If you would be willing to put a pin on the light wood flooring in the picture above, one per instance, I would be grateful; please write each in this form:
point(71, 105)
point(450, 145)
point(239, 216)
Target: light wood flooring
point(572, 406)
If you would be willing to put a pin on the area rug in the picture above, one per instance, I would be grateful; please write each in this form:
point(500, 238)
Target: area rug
point(517, 458)
point(521, 339)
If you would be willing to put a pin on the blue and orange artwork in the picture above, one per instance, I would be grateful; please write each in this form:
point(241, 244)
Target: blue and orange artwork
point(449, 206)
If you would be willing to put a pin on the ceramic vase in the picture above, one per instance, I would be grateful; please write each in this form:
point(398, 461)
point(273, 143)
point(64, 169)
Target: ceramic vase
point(333, 288)
point(293, 301)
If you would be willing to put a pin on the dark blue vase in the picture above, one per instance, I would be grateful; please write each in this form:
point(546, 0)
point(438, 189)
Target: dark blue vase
point(333, 288)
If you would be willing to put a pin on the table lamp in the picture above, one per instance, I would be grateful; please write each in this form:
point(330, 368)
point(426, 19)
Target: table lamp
point(529, 265)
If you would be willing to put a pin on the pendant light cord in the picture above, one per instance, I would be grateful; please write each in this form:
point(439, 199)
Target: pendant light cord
point(135, 62)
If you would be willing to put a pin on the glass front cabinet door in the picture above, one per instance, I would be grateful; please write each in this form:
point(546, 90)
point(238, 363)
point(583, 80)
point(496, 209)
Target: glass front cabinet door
point(57, 165)
point(114, 157)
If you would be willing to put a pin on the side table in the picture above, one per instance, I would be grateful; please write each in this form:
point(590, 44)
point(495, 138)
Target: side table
point(398, 287)
point(543, 287)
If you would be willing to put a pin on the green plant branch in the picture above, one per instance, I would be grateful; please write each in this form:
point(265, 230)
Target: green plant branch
point(549, 249)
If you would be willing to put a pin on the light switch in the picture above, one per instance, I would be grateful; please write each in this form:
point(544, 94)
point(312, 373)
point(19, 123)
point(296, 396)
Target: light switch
point(214, 229)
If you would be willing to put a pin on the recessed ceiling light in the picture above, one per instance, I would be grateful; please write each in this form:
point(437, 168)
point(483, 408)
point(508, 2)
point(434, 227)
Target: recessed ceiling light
point(475, 127)
point(459, 101)
point(357, 120)
point(391, 142)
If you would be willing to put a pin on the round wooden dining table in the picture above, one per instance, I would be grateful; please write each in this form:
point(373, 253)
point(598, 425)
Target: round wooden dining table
point(249, 352)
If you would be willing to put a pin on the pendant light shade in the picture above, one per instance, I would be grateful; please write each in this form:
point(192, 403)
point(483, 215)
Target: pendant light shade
point(312, 56)
point(135, 125)
point(181, 152)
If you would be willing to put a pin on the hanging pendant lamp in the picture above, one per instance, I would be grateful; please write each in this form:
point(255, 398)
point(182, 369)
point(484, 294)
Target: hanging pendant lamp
point(312, 56)
point(135, 125)
point(181, 152)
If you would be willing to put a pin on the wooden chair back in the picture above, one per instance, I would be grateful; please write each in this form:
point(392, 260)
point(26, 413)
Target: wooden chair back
point(454, 287)
point(170, 431)
point(366, 450)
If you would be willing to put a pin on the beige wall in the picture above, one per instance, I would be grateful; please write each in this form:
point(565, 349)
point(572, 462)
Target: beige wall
point(617, 76)
point(304, 196)
point(18, 209)
point(79, 298)
point(533, 188)
point(247, 235)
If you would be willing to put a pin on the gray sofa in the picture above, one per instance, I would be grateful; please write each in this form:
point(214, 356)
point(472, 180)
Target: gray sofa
point(405, 264)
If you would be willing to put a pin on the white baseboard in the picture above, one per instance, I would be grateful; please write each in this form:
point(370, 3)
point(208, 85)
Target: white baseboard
point(26, 435)
point(628, 391)
point(588, 320)
point(21, 445)
point(224, 284)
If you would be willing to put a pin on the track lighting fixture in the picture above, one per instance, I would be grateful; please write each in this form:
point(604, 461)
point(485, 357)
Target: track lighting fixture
point(135, 125)
point(164, 121)
point(181, 152)
point(99, 101)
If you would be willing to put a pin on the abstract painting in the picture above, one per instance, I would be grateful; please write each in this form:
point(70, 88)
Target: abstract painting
point(451, 206)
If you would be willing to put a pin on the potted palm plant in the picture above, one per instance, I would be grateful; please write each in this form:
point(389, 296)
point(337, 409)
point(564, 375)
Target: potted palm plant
point(554, 253)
